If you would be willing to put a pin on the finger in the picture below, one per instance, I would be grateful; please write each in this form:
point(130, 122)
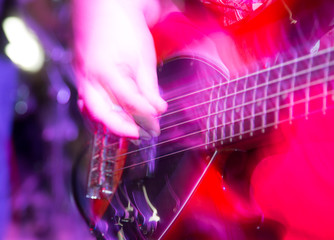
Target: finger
point(124, 89)
point(121, 86)
point(103, 109)
point(146, 77)
point(147, 83)
point(149, 123)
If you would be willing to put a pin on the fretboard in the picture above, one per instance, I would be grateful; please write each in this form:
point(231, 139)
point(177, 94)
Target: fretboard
point(266, 98)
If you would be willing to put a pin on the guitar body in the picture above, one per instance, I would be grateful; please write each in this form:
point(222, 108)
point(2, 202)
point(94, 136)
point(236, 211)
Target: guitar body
point(226, 179)
point(159, 174)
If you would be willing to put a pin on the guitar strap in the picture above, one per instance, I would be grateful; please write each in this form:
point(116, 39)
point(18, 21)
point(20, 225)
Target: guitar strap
point(232, 11)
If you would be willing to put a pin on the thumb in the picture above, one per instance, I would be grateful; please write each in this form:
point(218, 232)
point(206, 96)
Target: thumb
point(147, 82)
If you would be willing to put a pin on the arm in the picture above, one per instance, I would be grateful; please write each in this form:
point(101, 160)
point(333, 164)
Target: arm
point(116, 64)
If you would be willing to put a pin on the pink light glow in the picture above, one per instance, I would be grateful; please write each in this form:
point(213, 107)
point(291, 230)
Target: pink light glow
point(296, 187)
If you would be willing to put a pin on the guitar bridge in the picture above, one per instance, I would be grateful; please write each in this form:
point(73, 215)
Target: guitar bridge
point(106, 164)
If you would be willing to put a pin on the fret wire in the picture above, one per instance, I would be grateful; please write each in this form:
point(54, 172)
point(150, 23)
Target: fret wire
point(242, 111)
point(201, 131)
point(291, 95)
point(277, 102)
point(203, 145)
point(224, 112)
point(234, 109)
point(216, 118)
point(322, 52)
point(214, 130)
point(254, 105)
point(325, 84)
point(207, 135)
point(208, 122)
point(264, 106)
point(318, 67)
point(307, 90)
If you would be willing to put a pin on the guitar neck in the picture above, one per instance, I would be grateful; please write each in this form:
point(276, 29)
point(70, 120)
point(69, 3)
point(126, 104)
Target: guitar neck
point(264, 99)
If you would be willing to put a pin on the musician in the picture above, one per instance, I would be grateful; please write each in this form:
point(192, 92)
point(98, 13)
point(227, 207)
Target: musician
point(119, 43)
point(117, 46)
point(117, 59)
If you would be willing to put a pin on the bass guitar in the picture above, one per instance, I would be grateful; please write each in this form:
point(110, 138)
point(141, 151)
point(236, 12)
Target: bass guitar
point(146, 184)
point(139, 189)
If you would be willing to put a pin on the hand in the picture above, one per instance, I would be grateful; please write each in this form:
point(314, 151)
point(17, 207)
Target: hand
point(116, 66)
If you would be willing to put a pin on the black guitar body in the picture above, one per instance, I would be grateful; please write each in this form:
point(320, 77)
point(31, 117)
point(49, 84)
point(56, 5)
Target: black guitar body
point(168, 168)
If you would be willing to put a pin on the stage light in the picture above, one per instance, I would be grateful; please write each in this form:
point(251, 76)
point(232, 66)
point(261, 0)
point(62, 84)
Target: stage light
point(23, 48)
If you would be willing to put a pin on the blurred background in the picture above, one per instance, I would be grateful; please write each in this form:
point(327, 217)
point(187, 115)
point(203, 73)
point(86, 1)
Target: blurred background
point(47, 134)
point(42, 133)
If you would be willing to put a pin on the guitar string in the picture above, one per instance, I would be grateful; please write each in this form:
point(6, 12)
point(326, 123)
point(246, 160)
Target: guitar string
point(255, 100)
point(234, 122)
point(251, 102)
point(314, 83)
point(305, 57)
point(302, 72)
point(296, 60)
point(230, 137)
point(247, 103)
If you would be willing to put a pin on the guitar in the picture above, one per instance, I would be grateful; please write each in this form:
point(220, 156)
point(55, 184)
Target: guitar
point(139, 189)
point(159, 175)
